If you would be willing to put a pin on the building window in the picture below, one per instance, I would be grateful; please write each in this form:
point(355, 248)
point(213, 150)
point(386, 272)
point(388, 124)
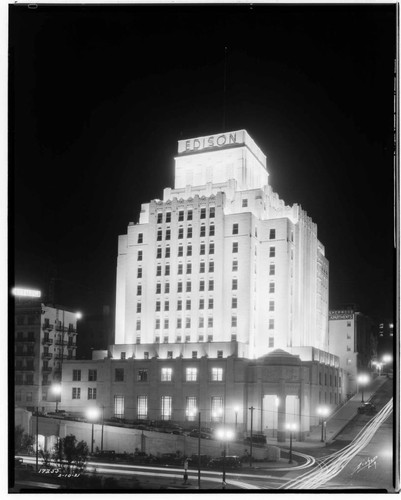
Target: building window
point(234, 303)
point(217, 374)
point(142, 404)
point(187, 338)
point(235, 247)
point(167, 374)
point(211, 230)
point(271, 305)
point(211, 266)
point(271, 341)
point(159, 217)
point(188, 288)
point(92, 375)
point(139, 255)
point(201, 322)
point(159, 271)
point(271, 324)
point(168, 234)
point(271, 287)
point(168, 217)
point(202, 249)
point(201, 285)
point(166, 324)
point(272, 252)
point(211, 248)
point(179, 287)
point(187, 322)
point(159, 253)
point(244, 202)
point(140, 237)
point(159, 235)
point(167, 288)
point(191, 374)
point(194, 354)
point(202, 267)
point(189, 268)
point(138, 325)
point(210, 322)
point(145, 355)
point(179, 323)
point(202, 231)
point(203, 213)
point(29, 397)
point(119, 374)
point(180, 268)
point(235, 229)
point(158, 305)
point(167, 270)
point(139, 273)
point(169, 354)
point(122, 355)
point(180, 251)
point(191, 408)
point(189, 251)
point(189, 215)
point(211, 285)
point(91, 393)
point(139, 290)
point(76, 375)
point(235, 265)
point(158, 288)
point(166, 406)
point(234, 321)
point(180, 233)
point(272, 270)
point(210, 304)
point(189, 232)
point(348, 323)
point(219, 354)
point(217, 408)
point(180, 215)
point(166, 305)
point(188, 305)
point(272, 234)
point(201, 303)
point(320, 379)
point(179, 305)
point(76, 393)
point(142, 375)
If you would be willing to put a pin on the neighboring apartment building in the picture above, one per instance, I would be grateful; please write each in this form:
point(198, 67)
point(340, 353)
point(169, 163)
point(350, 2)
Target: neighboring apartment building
point(45, 337)
point(351, 338)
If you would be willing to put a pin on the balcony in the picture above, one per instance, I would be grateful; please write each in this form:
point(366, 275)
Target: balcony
point(47, 326)
point(47, 355)
point(61, 328)
point(47, 341)
point(60, 342)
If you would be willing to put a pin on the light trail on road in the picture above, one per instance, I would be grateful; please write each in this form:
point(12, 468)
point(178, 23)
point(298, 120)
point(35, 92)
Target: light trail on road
point(328, 467)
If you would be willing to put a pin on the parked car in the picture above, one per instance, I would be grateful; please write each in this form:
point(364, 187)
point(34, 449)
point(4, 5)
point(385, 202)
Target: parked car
point(170, 459)
point(193, 460)
point(230, 462)
point(367, 407)
point(106, 455)
point(256, 438)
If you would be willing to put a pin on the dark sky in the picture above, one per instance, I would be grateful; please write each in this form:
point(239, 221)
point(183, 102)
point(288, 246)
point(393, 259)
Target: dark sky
point(99, 97)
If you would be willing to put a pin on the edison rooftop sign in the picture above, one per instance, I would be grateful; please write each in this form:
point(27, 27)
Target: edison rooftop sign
point(211, 141)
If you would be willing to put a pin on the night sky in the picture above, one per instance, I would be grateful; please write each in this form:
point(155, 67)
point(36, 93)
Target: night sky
point(99, 97)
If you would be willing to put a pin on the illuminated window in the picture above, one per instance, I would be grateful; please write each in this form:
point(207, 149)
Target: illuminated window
point(272, 252)
point(76, 393)
point(142, 404)
point(217, 374)
point(191, 408)
point(140, 237)
point(217, 408)
point(272, 234)
point(166, 407)
point(167, 374)
point(235, 229)
point(191, 374)
point(235, 247)
point(91, 393)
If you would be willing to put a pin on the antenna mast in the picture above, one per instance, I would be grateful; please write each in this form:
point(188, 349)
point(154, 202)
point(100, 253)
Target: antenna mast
point(224, 89)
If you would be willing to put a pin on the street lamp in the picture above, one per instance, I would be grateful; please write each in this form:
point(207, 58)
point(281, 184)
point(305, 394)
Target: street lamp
point(387, 358)
point(363, 379)
point(78, 315)
point(224, 434)
point(56, 390)
point(292, 427)
point(92, 414)
point(323, 412)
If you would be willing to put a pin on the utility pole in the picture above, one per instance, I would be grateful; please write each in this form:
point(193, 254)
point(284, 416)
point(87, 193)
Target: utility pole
point(199, 450)
point(37, 438)
point(250, 456)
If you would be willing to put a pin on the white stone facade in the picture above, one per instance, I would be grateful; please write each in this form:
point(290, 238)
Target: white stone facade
point(222, 258)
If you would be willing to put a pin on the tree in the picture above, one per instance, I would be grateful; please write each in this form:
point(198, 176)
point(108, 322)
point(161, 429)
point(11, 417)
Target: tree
point(68, 451)
point(18, 433)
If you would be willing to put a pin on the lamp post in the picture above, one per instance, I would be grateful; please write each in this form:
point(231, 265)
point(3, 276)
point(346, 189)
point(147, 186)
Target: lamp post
point(250, 455)
point(224, 434)
point(363, 380)
point(56, 389)
point(199, 450)
point(291, 426)
point(387, 358)
point(236, 410)
point(92, 415)
point(323, 412)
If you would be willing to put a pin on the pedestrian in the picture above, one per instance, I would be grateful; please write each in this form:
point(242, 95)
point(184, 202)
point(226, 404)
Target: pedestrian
point(186, 471)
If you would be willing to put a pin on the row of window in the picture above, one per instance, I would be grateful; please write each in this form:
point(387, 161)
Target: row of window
point(181, 214)
point(191, 374)
point(92, 375)
point(188, 304)
point(188, 287)
point(170, 353)
point(76, 393)
point(331, 380)
point(166, 407)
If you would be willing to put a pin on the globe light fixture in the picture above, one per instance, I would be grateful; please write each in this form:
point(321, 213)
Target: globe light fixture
point(291, 427)
point(323, 412)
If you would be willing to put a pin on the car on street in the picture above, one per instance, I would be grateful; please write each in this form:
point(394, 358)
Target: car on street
point(193, 460)
point(367, 407)
point(229, 462)
point(106, 455)
point(256, 439)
